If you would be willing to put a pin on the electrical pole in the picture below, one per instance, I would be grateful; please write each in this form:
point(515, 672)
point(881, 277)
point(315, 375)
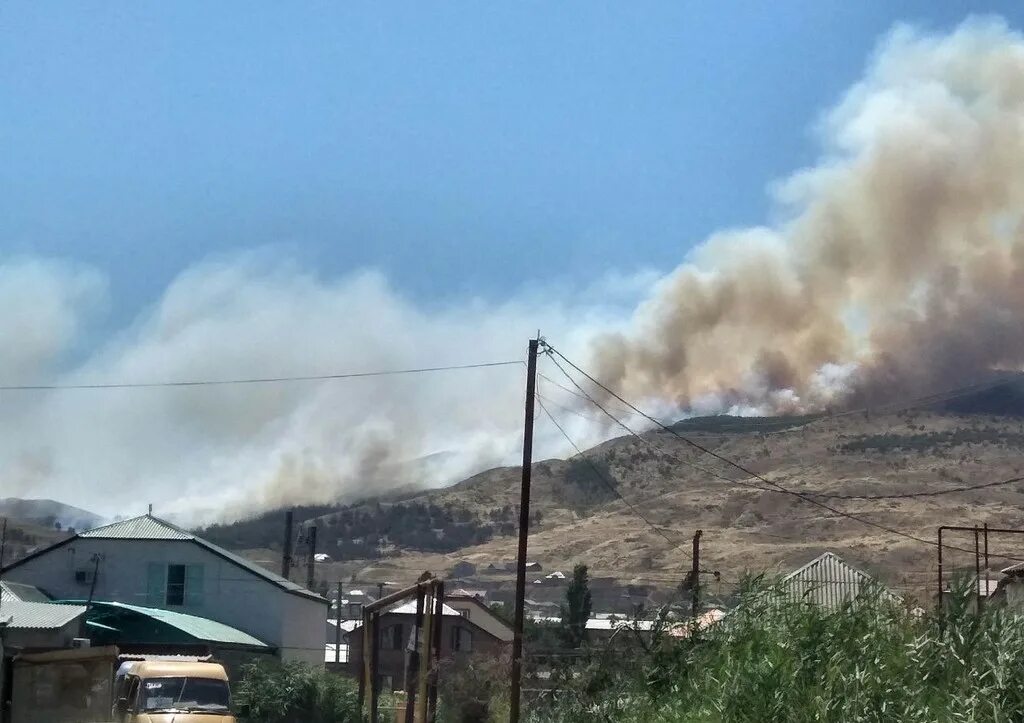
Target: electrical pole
point(524, 528)
point(695, 577)
point(311, 561)
point(286, 548)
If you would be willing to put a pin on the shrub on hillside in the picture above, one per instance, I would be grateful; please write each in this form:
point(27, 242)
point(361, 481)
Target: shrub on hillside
point(294, 693)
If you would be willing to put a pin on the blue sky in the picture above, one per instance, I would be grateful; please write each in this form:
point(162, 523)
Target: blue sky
point(460, 148)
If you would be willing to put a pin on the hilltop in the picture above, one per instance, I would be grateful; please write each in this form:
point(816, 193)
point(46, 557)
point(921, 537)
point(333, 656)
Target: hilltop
point(577, 517)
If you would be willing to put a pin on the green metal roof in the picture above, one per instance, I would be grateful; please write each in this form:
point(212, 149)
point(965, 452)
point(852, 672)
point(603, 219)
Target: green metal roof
point(38, 615)
point(124, 618)
point(147, 527)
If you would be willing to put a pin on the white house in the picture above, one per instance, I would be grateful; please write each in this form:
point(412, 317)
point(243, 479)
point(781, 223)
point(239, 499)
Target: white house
point(148, 562)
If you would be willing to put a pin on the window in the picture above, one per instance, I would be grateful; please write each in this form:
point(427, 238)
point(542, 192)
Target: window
point(175, 585)
point(204, 695)
point(392, 637)
point(462, 640)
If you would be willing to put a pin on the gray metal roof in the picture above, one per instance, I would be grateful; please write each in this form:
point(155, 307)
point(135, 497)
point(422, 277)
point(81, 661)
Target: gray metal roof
point(147, 527)
point(827, 581)
point(144, 527)
point(14, 591)
point(38, 615)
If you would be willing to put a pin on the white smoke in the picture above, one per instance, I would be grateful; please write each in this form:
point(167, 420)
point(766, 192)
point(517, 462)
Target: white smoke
point(230, 450)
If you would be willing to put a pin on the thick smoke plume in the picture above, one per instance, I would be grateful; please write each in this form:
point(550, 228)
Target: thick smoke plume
point(896, 266)
point(898, 262)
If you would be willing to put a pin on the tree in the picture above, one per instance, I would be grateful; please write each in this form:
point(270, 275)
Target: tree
point(576, 610)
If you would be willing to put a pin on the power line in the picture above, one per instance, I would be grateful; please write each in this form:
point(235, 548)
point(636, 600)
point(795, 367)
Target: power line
point(253, 380)
point(750, 473)
point(912, 495)
point(611, 487)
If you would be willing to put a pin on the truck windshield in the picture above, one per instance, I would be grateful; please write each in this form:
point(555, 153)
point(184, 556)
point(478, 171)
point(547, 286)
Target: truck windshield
point(186, 694)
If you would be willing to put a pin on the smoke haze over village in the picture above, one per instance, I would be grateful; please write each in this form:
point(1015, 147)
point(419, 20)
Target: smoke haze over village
point(894, 263)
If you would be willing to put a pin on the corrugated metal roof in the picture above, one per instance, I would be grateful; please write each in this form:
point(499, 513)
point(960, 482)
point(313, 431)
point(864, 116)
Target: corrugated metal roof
point(12, 591)
point(827, 581)
point(409, 608)
point(147, 527)
point(144, 527)
point(197, 627)
point(38, 615)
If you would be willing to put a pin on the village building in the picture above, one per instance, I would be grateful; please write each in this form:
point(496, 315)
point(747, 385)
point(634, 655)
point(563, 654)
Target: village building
point(147, 569)
point(828, 581)
point(477, 632)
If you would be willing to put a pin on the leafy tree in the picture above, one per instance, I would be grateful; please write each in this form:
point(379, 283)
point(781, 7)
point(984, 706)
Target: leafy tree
point(576, 610)
point(295, 693)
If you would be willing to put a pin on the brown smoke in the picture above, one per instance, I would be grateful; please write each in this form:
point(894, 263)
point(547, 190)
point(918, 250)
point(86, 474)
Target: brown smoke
point(899, 268)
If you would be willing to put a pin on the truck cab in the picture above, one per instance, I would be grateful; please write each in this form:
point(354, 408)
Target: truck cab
point(165, 691)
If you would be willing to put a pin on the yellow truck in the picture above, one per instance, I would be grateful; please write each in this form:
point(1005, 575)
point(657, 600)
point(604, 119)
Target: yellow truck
point(161, 691)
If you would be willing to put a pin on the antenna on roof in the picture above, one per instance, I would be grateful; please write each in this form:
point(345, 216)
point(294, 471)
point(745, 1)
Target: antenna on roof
point(150, 509)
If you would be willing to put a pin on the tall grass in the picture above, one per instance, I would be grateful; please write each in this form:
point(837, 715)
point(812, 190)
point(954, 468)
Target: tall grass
point(768, 661)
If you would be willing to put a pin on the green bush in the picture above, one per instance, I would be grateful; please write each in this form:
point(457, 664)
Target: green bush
point(295, 693)
point(767, 661)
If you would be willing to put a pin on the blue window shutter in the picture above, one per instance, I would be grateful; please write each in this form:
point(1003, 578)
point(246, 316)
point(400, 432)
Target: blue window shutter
point(156, 584)
point(193, 585)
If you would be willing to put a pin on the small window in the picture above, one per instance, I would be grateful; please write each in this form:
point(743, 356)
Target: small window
point(392, 637)
point(462, 640)
point(175, 585)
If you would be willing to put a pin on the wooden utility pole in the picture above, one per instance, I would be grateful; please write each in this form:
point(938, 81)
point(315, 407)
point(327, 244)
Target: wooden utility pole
point(524, 528)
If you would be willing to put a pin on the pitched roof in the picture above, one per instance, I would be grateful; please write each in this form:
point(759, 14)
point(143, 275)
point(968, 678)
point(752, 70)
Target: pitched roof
point(199, 628)
point(826, 580)
point(38, 615)
point(147, 527)
point(14, 591)
point(144, 527)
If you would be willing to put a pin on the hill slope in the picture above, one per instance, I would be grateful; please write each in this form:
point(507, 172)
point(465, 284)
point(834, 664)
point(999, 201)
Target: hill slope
point(578, 518)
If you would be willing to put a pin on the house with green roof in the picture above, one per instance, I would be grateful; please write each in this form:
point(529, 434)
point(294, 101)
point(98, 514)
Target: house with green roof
point(146, 562)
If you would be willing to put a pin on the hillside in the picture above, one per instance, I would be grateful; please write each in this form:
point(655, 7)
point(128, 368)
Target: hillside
point(48, 513)
point(577, 518)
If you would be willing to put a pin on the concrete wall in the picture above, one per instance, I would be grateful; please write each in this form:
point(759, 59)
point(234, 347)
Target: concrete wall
point(231, 595)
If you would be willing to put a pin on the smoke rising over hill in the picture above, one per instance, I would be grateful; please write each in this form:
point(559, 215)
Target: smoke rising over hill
point(896, 263)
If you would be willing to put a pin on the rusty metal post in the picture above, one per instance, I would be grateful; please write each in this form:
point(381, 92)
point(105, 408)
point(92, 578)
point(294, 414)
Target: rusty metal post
point(977, 573)
point(524, 529)
point(435, 657)
point(337, 633)
point(986, 560)
point(695, 577)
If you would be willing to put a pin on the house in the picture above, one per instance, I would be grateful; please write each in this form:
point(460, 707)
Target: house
point(828, 581)
point(472, 608)
point(460, 636)
point(150, 564)
point(463, 568)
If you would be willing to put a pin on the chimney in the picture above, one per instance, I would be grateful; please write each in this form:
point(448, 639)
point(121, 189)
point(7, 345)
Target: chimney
point(286, 549)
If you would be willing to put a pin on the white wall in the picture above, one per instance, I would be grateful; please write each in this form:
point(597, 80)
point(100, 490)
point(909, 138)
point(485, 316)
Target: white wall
point(231, 594)
point(304, 633)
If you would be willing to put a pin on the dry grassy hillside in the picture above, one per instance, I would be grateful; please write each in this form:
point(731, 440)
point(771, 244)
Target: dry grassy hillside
point(748, 529)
